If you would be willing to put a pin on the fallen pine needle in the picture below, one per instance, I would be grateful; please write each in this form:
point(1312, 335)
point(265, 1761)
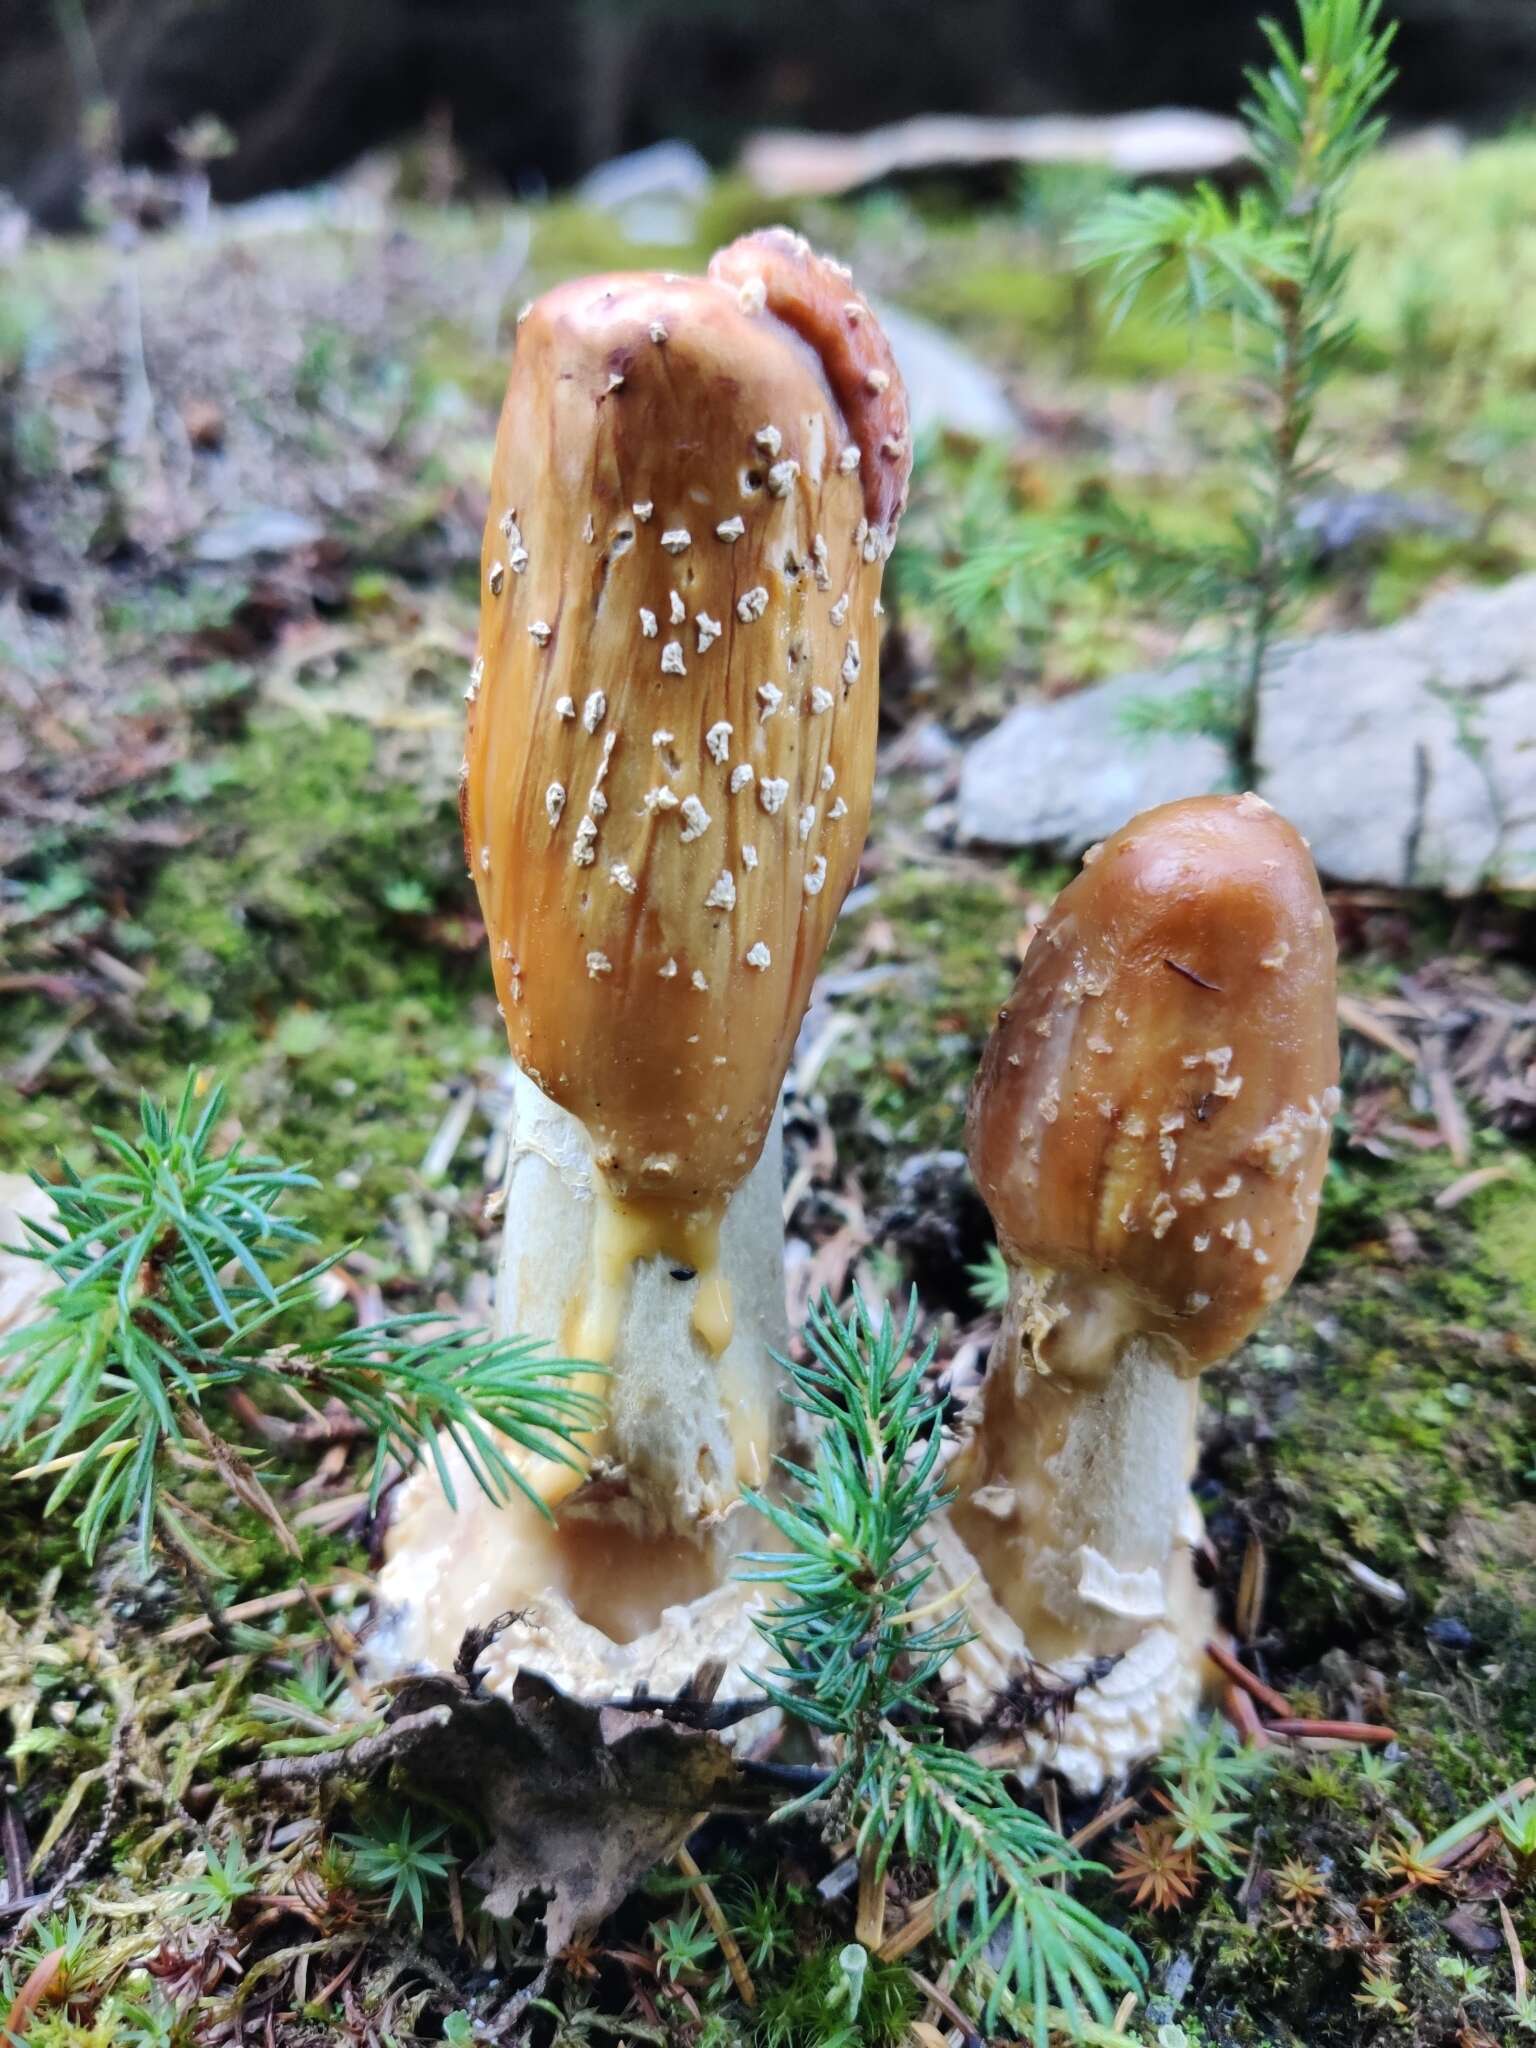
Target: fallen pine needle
point(1101, 1823)
point(47, 1976)
point(1334, 1731)
point(1516, 1953)
point(1252, 1584)
point(1458, 1831)
point(735, 1961)
point(946, 2005)
point(1468, 1184)
point(1358, 1017)
point(1224, 1660)
point(1244, 1716)
point(1466, 1854)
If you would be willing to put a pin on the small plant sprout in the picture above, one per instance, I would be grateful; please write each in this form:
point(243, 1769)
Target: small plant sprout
point(399, 1855)
point(658, 876)
point(178, 1279)
point(682, 1945)
point(859, 1639)
point(1152, 1870)
point(1517, 1827)
point(1380, 1995)
point(1149, 1128)
point(989, 1280)
point(226, 1880)
point(1375, 1773)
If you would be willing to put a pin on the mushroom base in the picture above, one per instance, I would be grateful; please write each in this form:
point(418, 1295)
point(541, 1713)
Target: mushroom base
point(630, 1585)
point(599, 1608)
point(1106, 1726)
point(1070, 1544)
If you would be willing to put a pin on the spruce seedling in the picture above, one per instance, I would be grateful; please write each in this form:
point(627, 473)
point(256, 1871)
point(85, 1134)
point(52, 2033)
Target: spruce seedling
point(169, 1296)
point(858, 1650)
point(1272, 266)
point(1275, 265)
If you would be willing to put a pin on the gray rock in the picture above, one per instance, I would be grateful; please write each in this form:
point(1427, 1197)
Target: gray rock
point(1365, 523)
point(1408, 756)
point(654, 194)
point(1162, 142)
point(257, 530)
point(1064, 772)
point(947, 388)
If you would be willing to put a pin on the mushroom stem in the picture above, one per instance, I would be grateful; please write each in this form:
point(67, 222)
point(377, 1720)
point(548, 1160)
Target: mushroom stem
point(688, 1417)
point(1087, 1475)
point(1073, 1506)
point(630, 1583)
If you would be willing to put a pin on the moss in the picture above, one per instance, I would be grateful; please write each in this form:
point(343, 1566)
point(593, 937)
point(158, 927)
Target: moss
point(32, 1547)
point(570, 239)
point(315, 939)
point(1014, 305)
point(937, 962)
point(804, 2013)
point(1438, 1425)
point(1505, 1219)
point(273, 952)
point(1445, 255)
point(1414, 565)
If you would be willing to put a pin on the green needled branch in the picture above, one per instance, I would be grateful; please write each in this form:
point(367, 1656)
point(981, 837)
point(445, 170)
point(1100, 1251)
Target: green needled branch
point(1269, 270)
point(167, 1300)
point(1274, 265)
point(859, 1649)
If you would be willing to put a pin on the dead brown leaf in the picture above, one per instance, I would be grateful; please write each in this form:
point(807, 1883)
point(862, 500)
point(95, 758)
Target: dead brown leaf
point(580, 1801)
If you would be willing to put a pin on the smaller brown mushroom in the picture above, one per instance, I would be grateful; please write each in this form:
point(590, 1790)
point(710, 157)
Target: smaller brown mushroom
point(1149, 1128)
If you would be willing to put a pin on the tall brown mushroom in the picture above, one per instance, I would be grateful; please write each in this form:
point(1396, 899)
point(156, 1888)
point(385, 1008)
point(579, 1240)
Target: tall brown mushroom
point(666, 788)
point(1149, 1128)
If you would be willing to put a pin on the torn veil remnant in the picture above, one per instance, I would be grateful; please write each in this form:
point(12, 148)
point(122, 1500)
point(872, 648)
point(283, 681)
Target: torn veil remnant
point(1149, 1128)
point(697, 482)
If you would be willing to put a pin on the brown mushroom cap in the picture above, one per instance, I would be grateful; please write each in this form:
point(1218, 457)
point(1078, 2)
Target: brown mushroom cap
point(1150, 1119)
point(672, 720)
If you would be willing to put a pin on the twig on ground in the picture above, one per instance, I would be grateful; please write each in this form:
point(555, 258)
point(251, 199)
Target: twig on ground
point(358, 1758)
point(265, 1604)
